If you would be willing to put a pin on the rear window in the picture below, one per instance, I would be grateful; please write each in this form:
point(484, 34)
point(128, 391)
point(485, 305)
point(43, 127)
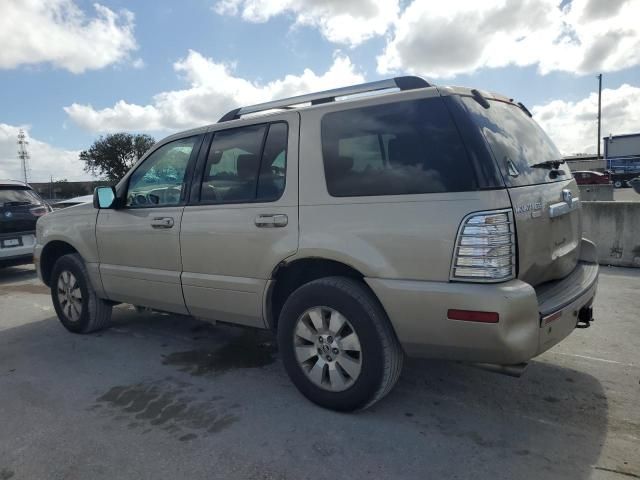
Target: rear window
point(394, 149)
point(517, 143)
point(18, 196)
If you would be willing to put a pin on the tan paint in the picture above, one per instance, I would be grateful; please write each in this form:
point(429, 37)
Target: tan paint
point(227, 259)
point(141, 264)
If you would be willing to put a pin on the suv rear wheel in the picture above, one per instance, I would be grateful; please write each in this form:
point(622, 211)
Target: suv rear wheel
point(337, 344)
point(74, 299)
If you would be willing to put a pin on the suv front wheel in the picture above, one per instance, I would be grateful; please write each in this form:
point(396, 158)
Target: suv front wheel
point(337, 344)
point(78, 307)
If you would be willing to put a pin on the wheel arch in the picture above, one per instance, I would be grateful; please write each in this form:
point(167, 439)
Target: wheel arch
point(287, 277)
point(51, 252)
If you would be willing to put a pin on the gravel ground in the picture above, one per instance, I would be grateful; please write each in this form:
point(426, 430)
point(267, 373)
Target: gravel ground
point(162, 396)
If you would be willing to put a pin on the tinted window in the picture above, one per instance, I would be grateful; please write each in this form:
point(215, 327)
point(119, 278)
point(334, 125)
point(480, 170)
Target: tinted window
point(238, 169)
point(395, 149)
point(18, 196)
point(274, 163)
point(159, 180)
point(517, 143)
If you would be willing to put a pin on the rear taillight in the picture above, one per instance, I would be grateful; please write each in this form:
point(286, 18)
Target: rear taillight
point(39, 211)
point(485, 248)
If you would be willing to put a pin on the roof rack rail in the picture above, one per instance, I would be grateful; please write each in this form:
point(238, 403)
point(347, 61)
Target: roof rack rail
point(403, 83)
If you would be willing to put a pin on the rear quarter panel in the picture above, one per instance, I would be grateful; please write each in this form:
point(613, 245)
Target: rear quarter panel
point(395, 237)
point(408, 237)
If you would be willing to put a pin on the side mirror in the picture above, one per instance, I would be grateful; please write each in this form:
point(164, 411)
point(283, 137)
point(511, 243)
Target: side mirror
point(104, 197)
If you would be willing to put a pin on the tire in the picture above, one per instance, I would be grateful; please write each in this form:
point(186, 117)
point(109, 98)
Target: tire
point(617, 184)
point(333, 381)
point(78, 315)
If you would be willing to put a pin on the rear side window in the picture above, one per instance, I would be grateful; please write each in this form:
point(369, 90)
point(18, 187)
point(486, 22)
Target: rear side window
point(273, 164)
point(246, 164)
point(394, 149)
point(517, 142)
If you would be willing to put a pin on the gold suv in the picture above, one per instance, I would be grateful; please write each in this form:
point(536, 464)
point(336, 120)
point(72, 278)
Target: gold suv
point(359, 224)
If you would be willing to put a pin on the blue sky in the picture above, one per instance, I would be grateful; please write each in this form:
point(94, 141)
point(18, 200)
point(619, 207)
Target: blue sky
point(206, 56)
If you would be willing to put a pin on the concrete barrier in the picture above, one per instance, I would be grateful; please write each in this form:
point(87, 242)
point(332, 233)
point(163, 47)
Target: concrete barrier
point(615, 229)
point(593, 193)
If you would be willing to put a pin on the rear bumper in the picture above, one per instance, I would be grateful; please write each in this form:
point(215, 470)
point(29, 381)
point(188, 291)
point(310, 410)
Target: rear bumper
point(19, 254)
point(418, 312)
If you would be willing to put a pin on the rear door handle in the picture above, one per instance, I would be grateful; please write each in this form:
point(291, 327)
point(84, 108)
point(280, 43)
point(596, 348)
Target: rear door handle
point(272, 220)
point(162, 222)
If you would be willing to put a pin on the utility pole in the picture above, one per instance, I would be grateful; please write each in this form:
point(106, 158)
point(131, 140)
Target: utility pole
point(23, 155)
point(599, 110)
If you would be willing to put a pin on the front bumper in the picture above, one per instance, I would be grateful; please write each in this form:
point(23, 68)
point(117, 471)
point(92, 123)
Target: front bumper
point(530, 321)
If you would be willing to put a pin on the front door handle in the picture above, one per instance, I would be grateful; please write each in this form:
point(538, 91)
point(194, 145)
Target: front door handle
point(272, 220)
point(162, 222)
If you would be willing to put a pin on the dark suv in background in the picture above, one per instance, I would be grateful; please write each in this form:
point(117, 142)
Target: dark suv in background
point(20, 208)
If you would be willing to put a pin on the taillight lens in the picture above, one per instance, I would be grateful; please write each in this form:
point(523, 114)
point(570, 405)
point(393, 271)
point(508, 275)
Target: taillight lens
point(39, 211)
point(485, 248)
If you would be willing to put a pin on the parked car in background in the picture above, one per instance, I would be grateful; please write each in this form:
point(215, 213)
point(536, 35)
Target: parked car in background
point(635, 184)
point(72, 202)
point(20, 208)
point(622, 179)
point(587, 177)
point(420, 220)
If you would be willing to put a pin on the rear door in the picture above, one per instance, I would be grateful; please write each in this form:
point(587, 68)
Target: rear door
point(545, 199)
point(242, 220)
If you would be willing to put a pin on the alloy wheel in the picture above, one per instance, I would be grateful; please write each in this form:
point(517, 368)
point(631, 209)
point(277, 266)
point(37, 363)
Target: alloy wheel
point(328, 348)
point(69, 296)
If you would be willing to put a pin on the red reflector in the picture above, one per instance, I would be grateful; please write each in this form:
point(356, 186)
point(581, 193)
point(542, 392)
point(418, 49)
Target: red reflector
point(550, 318)
point(473, 316)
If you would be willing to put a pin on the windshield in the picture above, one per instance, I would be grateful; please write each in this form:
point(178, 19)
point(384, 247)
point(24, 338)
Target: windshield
point(518, 143)
point(11, 196)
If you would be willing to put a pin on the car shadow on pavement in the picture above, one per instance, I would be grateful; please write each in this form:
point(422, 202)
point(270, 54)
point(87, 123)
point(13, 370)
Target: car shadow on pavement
point(17, 274)
point(444, 418)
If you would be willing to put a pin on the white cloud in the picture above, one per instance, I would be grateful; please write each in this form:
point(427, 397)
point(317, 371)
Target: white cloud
point(46, 160)
point(60, 33)
point(342, 21)
point(138, 63)
point(442, 39)
point(213, 90)
point(573, 125)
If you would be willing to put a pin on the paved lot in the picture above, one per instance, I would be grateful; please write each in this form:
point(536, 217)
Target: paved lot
point(625, 195)
point(160, 396)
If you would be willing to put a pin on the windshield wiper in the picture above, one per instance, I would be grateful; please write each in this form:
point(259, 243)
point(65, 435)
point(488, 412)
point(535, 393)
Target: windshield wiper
point(555, 164)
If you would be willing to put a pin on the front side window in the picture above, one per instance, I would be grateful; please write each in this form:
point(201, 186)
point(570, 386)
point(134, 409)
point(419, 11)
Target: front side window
point(159, 181)
point(246, 164)
point(401, 148)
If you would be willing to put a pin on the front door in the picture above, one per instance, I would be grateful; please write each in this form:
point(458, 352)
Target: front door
point(244, 220)
point(139, 244)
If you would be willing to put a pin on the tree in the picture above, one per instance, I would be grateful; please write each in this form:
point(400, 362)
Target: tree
point(112, 155)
